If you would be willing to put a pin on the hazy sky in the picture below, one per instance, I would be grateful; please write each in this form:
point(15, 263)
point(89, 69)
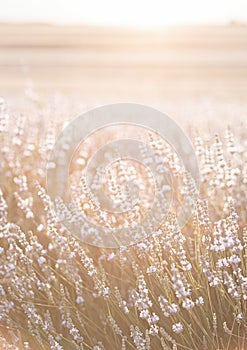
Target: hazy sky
point(145, 13)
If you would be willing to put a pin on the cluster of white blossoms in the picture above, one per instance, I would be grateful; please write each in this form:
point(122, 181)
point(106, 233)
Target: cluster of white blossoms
point(177, 288)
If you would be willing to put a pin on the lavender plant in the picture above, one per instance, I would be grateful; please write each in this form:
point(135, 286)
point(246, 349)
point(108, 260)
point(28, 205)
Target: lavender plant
point(176, 289)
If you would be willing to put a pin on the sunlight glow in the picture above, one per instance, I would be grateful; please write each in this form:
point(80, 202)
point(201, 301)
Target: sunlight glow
point(138, 13)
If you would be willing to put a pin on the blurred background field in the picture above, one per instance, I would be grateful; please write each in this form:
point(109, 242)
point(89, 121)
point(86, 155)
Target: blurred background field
point(190, 71)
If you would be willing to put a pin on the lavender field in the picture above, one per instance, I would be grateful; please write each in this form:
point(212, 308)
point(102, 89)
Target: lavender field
point(177, 288)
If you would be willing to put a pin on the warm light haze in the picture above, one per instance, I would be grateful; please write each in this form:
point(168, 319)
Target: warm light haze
point(136, 13)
